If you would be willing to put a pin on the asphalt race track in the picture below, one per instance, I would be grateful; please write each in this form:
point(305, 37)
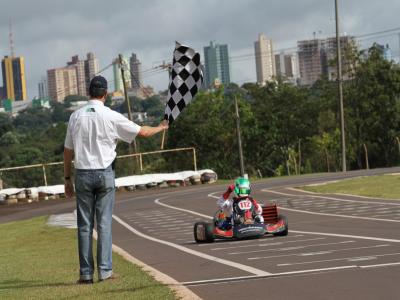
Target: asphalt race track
point(338, 247)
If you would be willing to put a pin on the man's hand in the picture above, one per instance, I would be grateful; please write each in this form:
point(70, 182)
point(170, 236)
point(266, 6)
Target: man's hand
point(68, 189)
point(164, 125)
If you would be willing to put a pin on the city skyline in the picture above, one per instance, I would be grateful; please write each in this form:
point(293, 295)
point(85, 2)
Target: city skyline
point(77, 31)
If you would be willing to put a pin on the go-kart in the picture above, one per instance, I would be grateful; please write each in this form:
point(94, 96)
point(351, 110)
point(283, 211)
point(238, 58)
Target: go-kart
point(245, 223)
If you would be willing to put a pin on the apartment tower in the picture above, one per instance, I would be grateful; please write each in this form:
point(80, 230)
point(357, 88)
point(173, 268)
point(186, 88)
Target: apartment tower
point(265, 60)
point(216, 59)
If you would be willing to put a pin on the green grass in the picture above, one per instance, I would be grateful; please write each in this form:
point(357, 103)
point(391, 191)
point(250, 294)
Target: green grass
point(382, 186)
point(41, 262)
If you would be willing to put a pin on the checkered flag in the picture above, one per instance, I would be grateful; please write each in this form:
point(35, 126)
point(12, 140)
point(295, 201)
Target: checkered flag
point(185, 80)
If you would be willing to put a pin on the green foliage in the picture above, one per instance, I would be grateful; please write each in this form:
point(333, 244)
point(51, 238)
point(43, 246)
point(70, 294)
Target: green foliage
point(32, 118)
point(5, 123)
point(152, 106)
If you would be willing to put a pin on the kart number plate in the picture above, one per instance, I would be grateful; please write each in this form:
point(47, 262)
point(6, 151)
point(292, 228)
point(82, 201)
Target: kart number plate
point(245, 204)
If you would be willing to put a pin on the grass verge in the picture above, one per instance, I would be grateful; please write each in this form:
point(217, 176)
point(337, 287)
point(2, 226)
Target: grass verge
point(381, 186)
point(41, 262)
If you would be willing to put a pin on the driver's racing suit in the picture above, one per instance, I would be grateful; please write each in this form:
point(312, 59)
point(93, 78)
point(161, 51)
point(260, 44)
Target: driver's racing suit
point(226, 205)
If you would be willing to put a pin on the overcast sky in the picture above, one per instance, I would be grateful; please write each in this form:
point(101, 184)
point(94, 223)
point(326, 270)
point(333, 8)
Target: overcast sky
point(48, 32)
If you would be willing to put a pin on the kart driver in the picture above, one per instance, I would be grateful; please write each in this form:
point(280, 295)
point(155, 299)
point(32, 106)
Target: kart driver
point(242, 191)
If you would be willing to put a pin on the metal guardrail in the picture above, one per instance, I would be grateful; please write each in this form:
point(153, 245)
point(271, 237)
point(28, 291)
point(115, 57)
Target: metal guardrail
point(140, 155)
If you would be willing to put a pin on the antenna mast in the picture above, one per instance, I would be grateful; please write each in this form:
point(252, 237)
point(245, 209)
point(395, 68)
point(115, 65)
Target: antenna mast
point(11, 40)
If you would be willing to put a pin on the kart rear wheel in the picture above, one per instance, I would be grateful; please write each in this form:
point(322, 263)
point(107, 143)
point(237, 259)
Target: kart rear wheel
point(203, 232)
point(285, 221)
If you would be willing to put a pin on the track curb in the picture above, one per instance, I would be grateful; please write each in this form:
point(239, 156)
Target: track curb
point(181, 291)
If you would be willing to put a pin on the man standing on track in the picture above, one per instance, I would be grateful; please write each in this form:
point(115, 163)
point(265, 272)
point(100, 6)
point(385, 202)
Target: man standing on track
point(92, 135)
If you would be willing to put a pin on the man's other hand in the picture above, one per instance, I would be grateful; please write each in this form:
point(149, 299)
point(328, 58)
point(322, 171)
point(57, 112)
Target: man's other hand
point(68, 189)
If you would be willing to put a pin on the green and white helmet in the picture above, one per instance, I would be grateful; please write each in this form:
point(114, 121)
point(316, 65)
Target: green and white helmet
point(242, 187)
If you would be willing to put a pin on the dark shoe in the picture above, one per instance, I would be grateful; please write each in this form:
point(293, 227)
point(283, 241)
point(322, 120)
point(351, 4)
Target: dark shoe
point(84, 281)
point(113, 276)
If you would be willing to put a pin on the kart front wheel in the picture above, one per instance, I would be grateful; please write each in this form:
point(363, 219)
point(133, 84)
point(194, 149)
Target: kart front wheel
point(203, 232)
point(286, 224)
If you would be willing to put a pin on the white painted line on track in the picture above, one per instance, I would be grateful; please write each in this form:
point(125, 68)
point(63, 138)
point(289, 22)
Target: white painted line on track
point(330, 198)
point(348, 236)
point(265, 239)
point(336, 215)
point(348, 208)
point(337, 259)
point(381, 265)
point(321, 253)
point(316, 253)
point(157, 201)
point(341, 194)
point(241, 242)
point(265, 245)
point(291, 248)
point(193, 252)
point(169, 225)
point(231, 279)
point(365, 258)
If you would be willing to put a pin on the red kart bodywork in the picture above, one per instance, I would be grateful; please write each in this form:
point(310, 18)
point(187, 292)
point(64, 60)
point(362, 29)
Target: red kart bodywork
point(274, 222)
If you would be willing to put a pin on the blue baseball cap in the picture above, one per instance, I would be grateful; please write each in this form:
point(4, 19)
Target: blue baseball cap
point(98, 82)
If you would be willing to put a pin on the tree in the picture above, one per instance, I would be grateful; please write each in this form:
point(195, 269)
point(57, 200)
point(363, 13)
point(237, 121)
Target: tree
point(59, 113)
point(209, 125)
point(373, 114)
point(33, 118)
point(5, 123)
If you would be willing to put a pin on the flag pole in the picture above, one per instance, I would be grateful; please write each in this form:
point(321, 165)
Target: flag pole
point(162, 140)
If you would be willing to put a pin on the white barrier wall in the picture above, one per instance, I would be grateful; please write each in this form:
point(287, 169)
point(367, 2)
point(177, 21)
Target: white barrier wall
point(119, 182)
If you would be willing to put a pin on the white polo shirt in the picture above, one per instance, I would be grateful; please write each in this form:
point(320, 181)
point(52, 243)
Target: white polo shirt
point(93, 132)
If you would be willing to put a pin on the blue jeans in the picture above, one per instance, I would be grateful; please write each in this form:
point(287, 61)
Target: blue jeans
point(95, 197)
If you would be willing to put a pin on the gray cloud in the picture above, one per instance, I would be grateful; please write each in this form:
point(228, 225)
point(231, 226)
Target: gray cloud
point(48, 32)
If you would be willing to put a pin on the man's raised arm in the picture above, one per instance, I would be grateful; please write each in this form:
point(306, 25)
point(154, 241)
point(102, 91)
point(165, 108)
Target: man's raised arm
point(146, 131)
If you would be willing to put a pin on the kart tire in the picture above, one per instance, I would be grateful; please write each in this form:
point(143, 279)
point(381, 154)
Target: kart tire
point(285, 221)
point(203, 232)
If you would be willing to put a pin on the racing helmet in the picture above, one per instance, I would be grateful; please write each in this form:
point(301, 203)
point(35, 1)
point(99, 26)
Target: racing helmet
point(242, 187)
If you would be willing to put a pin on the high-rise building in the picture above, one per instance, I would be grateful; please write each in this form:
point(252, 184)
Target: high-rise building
point(216, 59)
point(79, 66)
point(386, 51)
point(347, 47)
point(265, 60)
point(62, 82)
point(14, 84)
point(43, 88)
point(287, 66)
point(136, 69)
point(317, 58)
point(91, 67)
point(118, 84)
point(312, 60)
